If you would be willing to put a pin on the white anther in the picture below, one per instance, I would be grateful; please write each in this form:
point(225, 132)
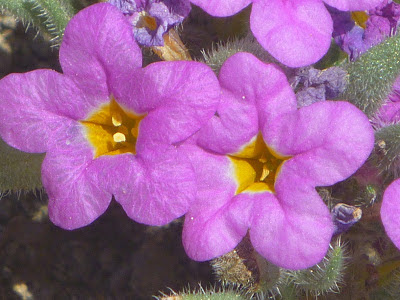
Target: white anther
point(116, 119)
point(265, 173)
point(119, 137)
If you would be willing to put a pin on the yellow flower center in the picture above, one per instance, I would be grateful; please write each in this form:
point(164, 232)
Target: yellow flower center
point(256, 166)
point(112, 130)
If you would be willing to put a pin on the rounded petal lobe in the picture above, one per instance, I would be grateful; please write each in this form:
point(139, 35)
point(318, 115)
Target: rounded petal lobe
point(221, 8)
point(329, 140)
point(390, 212)
point(257, 83)
point(171, 83)
point(295, 32)
point(209, 231)
point(98, 46)
point(292, 228)
point(179, 96)
point(152, 190)
point(69, 175)
point(353, 4)
point(36, 108)
point(234, 124)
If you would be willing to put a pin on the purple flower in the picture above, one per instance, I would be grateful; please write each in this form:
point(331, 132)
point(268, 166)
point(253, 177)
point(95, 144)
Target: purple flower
point(109, 127)
point(263, 159)
point(355, 40)
point(295, 32)
point(152, 18)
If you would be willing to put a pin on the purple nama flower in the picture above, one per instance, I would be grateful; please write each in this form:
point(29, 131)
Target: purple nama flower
point(295, 32)
point(355, 40)
point(263, 159)
point(152, 18)
point(109, 127)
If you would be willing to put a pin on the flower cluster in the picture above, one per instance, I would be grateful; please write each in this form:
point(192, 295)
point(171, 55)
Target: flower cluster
point(297, 33)
point(233, 153)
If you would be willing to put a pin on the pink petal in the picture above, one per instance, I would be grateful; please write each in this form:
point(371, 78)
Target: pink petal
point(37, 108)
point(390, 212)
point(295, 32)
point(353, 4)
point(98, 49)
point(221, 8)
point(329, 140)
point(69, 176)
point(208, 231)
point(258, 83)
point(294, 229)
point(153, 189)
point(235, 124)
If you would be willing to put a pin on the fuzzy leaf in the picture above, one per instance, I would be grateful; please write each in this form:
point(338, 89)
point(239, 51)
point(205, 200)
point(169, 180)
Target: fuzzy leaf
point(56, 15)
point(324, 277)
point(371, 77)
point(48, 16)
point(22, 10)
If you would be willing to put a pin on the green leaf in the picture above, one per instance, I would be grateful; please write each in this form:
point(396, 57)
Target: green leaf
point(371, 77)
point(48, 16)
point(324, 277)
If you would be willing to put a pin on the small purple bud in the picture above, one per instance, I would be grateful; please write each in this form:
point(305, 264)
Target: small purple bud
point(344, 216)
point(151, 19)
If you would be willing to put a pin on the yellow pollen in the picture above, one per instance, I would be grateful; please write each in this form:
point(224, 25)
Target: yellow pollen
point(265, 173)
point(119, 137)
point(112, 129)
point(116, 119)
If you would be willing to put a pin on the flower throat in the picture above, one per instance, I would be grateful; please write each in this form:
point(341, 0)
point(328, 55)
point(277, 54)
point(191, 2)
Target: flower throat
point(256, 167)
point(112, 130)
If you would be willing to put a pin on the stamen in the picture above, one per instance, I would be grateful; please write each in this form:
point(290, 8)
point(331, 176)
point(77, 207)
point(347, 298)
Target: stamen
point(119, 137)
point(135, 131)
point(265, 173)
point(116, 119)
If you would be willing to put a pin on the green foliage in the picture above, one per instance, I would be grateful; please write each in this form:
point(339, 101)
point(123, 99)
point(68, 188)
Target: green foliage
point(48, 16)
point(201, 294)
point(228, 295)
point(371, 77)
point(387, 150)
point(288, 291)
point(222, 51)
point(323, 277)
point(19, 170)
